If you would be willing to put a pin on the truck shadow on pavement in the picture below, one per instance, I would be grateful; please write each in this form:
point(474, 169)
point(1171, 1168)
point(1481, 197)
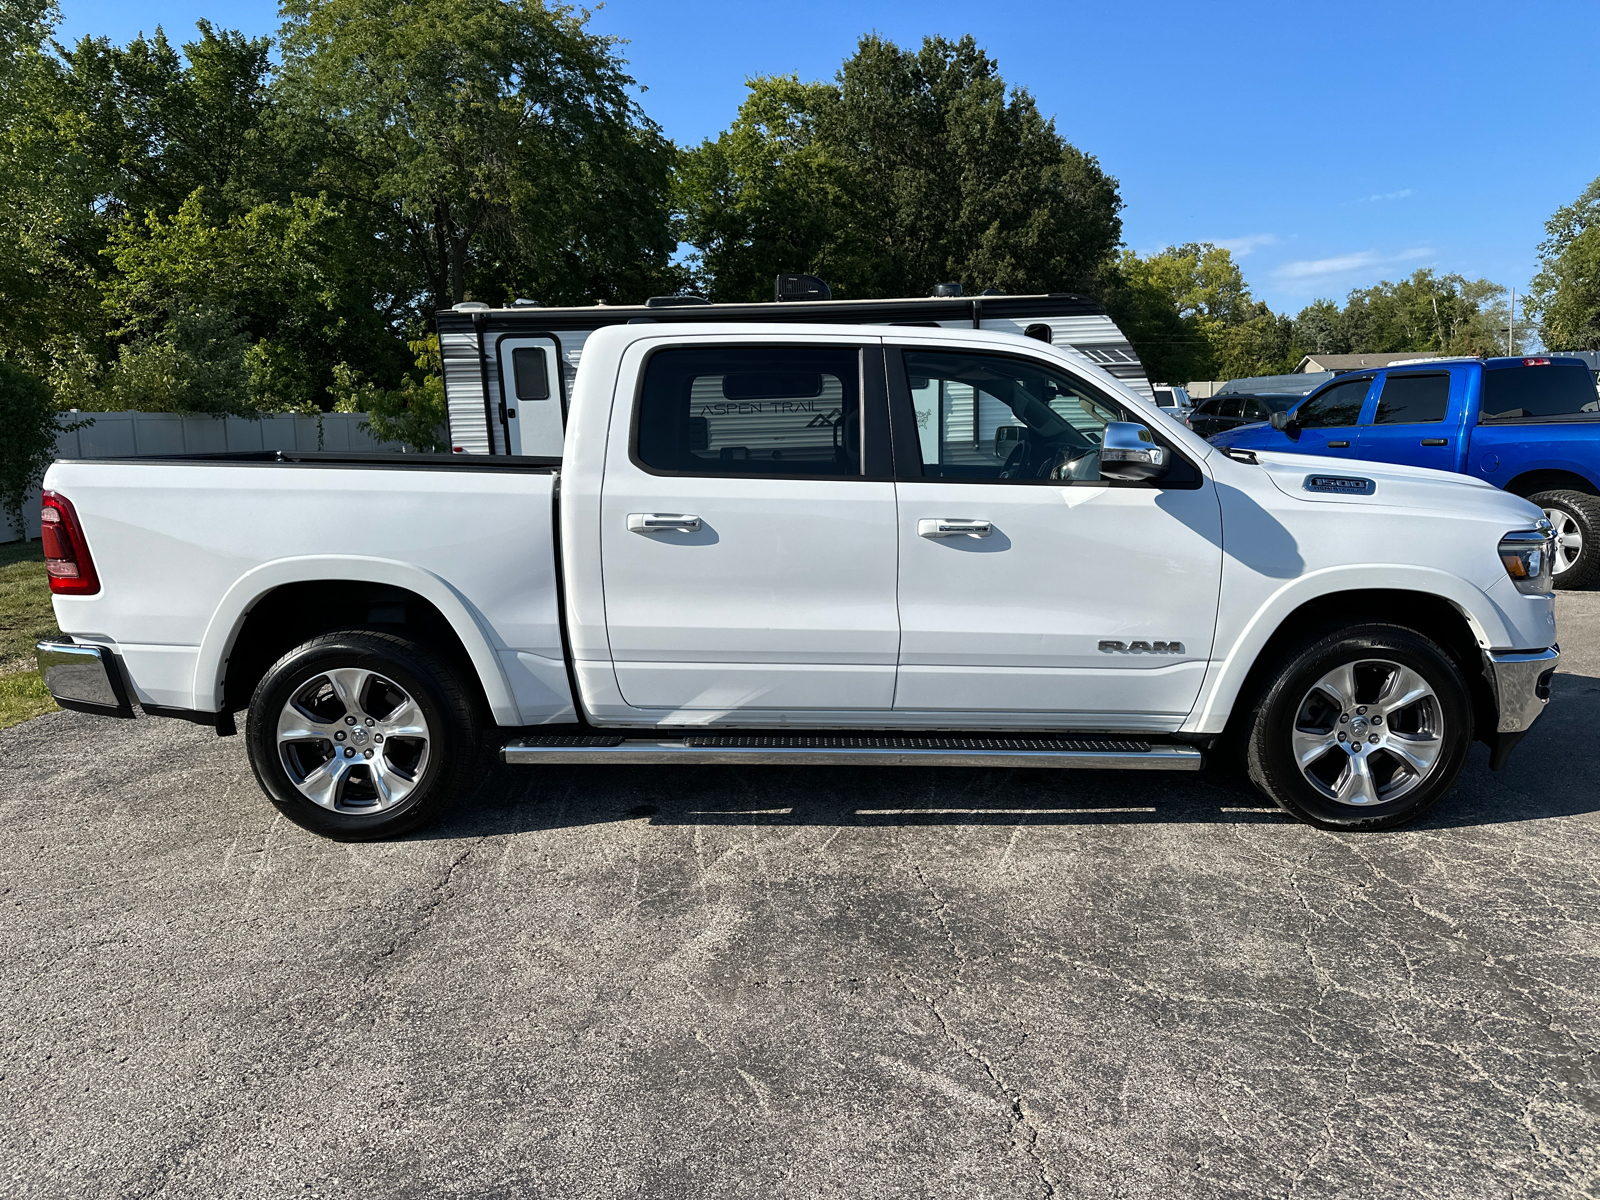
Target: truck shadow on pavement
point(1547, 777)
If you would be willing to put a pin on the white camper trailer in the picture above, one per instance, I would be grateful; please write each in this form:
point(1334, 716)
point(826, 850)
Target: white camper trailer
point(509, 371)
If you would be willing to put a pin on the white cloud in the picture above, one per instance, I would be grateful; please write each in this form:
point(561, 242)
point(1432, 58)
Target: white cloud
point(1307, 270)
point(1400, 195)
point(1243, 245)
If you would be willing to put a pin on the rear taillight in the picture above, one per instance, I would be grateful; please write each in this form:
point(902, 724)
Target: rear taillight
point(66, 554)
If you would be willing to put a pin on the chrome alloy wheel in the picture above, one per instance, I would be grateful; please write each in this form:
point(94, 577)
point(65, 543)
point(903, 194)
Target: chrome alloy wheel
point(1569, 539)
point(1368, 732)
point(353, 741)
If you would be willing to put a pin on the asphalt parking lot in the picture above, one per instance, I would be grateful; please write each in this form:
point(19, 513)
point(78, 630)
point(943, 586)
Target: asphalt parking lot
point(708, 982)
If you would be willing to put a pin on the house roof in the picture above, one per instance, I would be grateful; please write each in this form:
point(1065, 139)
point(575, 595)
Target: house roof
point(1352, 362)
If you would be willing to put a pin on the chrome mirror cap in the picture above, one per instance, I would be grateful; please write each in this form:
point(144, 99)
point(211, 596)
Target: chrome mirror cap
point(1129, 452)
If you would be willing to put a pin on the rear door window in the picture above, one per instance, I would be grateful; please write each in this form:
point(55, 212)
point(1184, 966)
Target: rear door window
point(751, 410)
point(1558, 391)
point(1413, 399)
point(1338, 405)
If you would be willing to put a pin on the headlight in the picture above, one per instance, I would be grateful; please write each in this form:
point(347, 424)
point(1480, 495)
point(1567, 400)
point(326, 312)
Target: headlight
point(1526, 555)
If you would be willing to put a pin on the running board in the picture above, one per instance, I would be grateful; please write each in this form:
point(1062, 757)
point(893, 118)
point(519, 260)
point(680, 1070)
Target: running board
point(868, 751)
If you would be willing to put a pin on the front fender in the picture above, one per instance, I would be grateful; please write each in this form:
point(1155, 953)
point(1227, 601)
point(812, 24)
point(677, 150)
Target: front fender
point(1231, 663)
point(249, 588)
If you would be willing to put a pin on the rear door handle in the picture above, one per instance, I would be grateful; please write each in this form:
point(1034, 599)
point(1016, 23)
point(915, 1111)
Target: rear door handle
point(663, 523)
point(944, 527)
point(1435, 441)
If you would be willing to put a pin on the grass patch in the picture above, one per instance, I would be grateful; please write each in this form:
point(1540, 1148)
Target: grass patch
point(25, 617)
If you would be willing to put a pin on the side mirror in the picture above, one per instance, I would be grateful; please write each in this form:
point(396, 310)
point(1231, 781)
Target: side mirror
point(1128, 451)
point(1284, 422)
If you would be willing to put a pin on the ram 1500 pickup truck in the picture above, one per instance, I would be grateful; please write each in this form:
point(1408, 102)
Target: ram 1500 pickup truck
point(1528, 425)
point(800, 544)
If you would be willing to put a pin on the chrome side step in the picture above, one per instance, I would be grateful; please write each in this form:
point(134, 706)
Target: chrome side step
point(867, 751)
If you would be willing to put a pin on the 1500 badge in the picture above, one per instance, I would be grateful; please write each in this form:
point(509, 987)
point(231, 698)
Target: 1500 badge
point(1142, 647)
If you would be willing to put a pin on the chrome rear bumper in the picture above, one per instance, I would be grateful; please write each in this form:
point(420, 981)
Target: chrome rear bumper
point(1521, 682)
point(85, 678)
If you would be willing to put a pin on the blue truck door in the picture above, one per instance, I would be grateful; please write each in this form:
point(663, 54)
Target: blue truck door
point(1411, 422)
point(1326, 422)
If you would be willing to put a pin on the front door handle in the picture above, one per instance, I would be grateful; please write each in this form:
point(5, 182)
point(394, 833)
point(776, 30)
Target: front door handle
point(1338, 445)
point(1435, 441)
point(663, 523)
point(944, 527)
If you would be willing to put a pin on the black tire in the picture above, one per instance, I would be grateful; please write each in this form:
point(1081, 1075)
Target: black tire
point(442, 763)
point(1291, 704)
point(1582, 513)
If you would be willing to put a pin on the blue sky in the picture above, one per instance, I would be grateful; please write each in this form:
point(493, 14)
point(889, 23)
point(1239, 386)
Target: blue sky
point(1328, 145)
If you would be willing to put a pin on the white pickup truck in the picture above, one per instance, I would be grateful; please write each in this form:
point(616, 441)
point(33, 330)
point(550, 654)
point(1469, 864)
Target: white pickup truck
point(790, 543)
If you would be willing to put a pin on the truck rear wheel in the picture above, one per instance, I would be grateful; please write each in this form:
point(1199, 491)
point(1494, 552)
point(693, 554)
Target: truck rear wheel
point(1364, 728)
point(359, 735)
point(1576, 517)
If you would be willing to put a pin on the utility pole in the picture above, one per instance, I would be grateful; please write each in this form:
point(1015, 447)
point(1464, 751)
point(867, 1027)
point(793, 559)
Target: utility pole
point(1511, 324)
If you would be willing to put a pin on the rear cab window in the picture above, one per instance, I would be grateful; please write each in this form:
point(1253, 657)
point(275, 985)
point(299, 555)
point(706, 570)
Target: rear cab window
point(751, 410)
point(1536, 390)
point(1413, 398)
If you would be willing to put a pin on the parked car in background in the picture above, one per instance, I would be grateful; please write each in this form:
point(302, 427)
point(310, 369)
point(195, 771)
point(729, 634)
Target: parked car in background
point(1230, 410)
point(1530, 425)
point(1173, 399)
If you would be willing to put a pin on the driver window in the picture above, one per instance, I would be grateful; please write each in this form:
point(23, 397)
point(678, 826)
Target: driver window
point(988, 416)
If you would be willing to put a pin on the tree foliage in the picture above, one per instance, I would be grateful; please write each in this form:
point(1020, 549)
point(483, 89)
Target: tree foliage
point(1190, 316)
point(911, 168)
point(1565, 297)
point(495, 140)
point(233, 226)
point(28, 416)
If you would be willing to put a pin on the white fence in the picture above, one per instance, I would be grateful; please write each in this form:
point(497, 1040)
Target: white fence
point(122, 434)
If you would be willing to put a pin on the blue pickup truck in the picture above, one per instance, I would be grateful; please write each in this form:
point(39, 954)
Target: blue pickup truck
point(1528, 425)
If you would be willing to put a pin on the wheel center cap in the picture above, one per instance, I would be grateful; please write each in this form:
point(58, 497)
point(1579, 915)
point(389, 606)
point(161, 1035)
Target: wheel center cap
point(358, 736)
point(1358, 728)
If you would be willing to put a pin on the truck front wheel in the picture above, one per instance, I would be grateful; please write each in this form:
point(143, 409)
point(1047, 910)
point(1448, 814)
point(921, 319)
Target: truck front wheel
point(359, 735)
point(1361, 729)
point(1576, 517)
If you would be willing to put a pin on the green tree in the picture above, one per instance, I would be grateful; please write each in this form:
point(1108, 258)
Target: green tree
point(1565, 296)
point(912, 168)
point(1190, 315)
point(28, 416)
point(414, 413)
point(495, 141)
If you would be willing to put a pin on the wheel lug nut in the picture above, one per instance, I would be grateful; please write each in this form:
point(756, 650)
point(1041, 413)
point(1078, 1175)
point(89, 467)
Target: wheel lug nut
point(339, 737)
point(1343, 717)
point(370, 721)
point(349, 752)
point(377, 737)
point(1377, 720)
point(349, 720)
point(366, 754)
point(1356, 746)
point(1361, 710)
point(1341, 735)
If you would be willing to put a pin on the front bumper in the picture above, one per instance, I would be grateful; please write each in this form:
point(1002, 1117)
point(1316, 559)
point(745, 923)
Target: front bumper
point(82, 677)
point(1521, 683)
point(1520, 680)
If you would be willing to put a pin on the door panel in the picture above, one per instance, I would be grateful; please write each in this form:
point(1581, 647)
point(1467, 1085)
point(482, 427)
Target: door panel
point(1029, 584)
point(1329, 419)
point(728, 586)
point(1415, 420)
point(1018, 620)
point(530, 388)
